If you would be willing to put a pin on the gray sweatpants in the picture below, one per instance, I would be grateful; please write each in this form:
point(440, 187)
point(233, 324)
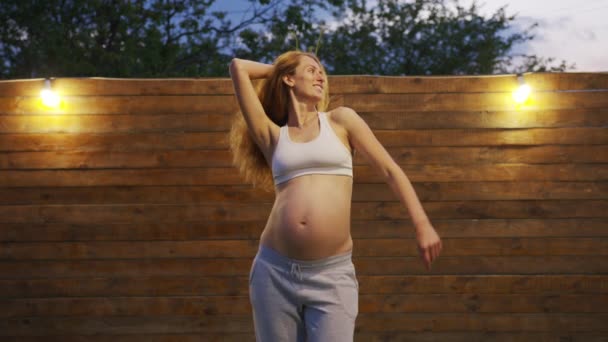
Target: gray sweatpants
point(297, 300)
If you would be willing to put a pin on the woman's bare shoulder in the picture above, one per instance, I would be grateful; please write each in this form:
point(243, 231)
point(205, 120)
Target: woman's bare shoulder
point(342, 115)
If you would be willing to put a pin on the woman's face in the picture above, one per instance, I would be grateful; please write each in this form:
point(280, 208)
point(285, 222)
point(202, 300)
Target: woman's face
point(309, 80)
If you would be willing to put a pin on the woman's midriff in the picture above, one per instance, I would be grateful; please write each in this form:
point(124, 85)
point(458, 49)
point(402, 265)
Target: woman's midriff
point(310, 218)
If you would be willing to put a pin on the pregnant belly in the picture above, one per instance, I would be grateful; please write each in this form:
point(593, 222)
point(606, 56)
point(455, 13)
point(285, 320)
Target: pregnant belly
point(303, 228)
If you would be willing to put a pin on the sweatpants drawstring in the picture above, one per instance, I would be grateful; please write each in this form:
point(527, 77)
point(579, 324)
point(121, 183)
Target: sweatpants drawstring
point(296, 271)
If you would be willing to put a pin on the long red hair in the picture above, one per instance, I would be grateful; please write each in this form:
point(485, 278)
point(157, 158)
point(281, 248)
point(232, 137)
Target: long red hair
point(274, 96)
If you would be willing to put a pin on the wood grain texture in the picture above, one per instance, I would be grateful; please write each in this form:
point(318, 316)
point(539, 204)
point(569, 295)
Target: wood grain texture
point(207, 306)
point(122, 217)
point(397, 322)
point(362, 192)
point(361, 229)
point(216, 267)
point(223, 158)
point(597, 172)
point(358, 84)
point(78, 141)
point(544, 246)
point(359, 337)
point(142, 213)
point(200, 285)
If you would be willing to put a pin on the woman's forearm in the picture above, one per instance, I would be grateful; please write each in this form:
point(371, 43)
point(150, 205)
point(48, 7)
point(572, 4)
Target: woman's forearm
point(403, 188)
point(252, 69)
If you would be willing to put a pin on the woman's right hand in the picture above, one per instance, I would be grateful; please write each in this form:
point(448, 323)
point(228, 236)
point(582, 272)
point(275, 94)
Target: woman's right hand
point(429, 244)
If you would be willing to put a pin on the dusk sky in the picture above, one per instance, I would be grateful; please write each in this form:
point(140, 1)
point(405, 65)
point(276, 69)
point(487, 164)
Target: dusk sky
point(574, 30)
point(571, 30)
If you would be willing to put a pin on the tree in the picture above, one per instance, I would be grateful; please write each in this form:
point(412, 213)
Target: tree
point(296, 25)
point(420, 37)
point(183, 38)
point(117, 38)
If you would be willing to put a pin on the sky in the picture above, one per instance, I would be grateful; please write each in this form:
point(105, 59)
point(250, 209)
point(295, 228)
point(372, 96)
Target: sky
point(572, 30)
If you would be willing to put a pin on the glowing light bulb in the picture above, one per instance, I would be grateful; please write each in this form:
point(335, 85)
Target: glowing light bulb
point(49, 97)
point(521, 94)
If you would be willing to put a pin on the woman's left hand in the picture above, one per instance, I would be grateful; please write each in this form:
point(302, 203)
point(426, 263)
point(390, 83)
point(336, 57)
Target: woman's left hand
point(429, 243)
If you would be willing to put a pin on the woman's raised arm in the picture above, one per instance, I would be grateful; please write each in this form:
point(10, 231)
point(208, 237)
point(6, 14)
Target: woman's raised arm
point(242, 72)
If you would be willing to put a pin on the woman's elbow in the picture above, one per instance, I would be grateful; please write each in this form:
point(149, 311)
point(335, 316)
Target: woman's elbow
point(392, 172)
point(235, 65)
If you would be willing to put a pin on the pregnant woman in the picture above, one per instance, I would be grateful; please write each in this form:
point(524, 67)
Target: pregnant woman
point(302, 282)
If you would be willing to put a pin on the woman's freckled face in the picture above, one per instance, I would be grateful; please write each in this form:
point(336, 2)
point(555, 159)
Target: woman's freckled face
point(309, 78)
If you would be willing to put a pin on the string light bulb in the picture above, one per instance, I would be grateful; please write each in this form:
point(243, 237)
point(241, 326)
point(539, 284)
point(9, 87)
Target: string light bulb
point(522, 93)
point(49, 97)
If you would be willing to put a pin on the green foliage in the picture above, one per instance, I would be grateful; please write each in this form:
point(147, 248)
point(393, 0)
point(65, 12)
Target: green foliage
point(183, 38)
point(137, 38)
point(295, 26)
point(422, 37)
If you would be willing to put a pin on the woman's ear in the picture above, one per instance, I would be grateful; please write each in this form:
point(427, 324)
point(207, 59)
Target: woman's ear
point(288, 81)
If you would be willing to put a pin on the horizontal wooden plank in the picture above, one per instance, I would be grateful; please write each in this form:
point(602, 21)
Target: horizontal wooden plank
point(339, 84)
point(134, 105)
point(189, 104)
point(475, 191)
point(469, 246)
point(483, 322)
point(497, 154)
point(128, 250)
point(567, 80)
point(196, 285)
point(526, 227)
point(111, 142)
point(547, 284)
point(45, 326)
point(212, 121)
point(119, 159)
point(127, 306)
point(160, 285)
point(118, 123)
point(468, 83)
point(479, 336)
point(517, 303)
point(148, 213)
point(460, 101)
point(175, 337)
point(472, 265)
point(147, 231)
point(471, 336)
point(453, 118)
point(488, 172)
point(362, 192)
point(119, 86)
point(223, 158)
point(493, 137)
point(121, 142)
point(487, 265)
point(100, 268)
point(423, 322)
point(360, 229)
point(243, 248)
point(239, 305)
point(362, 174)
point(169, 104)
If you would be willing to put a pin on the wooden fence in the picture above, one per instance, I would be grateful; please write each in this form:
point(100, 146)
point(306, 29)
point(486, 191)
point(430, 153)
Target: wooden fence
point(122, 219)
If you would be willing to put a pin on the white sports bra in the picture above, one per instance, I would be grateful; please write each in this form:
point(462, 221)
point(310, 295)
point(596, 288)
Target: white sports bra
point(325, 154)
